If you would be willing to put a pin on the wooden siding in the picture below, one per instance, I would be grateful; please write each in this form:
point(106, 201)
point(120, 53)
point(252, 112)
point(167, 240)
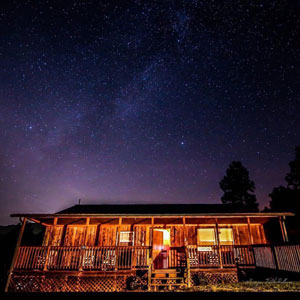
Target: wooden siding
point(107, 235)
point(53, 236)
point(241, 234)
point(176, 236)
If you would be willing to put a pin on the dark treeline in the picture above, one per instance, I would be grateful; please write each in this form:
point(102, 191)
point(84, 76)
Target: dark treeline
point(239, 190)
point(33, 236)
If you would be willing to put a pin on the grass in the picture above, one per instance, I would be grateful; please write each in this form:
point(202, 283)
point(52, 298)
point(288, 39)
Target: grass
point(251, 286)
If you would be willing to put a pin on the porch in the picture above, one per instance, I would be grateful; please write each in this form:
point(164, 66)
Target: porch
point(120, 258)
point(165, 250)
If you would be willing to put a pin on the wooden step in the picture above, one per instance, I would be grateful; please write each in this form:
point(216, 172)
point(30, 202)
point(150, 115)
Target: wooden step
point(162, 271)
point(168, 278)
point(165, 284)
point(168, 275)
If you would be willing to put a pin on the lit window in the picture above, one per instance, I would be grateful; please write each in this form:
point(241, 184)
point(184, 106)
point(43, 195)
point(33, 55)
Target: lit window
point(206, 236)
point(126, 237)
point(226, 236)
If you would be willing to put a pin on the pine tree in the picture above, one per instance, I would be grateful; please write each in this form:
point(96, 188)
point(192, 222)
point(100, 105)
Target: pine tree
point(288, 198)
point(238, 188)
point(293, 177)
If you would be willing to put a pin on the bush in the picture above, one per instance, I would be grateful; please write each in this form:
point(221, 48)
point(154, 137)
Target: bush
point(136, 282)
point(200, 279)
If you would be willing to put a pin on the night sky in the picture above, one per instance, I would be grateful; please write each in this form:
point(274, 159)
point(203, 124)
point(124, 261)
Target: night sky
point(144, 101)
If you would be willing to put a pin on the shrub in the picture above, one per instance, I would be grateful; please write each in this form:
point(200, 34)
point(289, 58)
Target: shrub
point(200, 279)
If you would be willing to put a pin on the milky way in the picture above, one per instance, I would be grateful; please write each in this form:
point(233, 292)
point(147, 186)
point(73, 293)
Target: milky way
point(144, 101)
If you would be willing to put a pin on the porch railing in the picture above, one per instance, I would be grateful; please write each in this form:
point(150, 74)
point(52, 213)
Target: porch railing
point(281, 257)
point(222, 256)
point(113, 258)
point(108, 258)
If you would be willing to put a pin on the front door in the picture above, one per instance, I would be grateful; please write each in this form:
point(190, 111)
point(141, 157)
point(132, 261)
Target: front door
point(161, 245)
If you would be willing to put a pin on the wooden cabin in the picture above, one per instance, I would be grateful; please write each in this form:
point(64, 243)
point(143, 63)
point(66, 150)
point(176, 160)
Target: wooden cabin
point(118, 247)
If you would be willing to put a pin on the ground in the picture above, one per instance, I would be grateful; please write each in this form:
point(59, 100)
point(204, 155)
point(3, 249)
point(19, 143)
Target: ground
point(251, 286)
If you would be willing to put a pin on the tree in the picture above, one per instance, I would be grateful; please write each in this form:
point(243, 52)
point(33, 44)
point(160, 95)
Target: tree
point(288, 198)
point(293, 177)
point(277, 196)
point(238, 188)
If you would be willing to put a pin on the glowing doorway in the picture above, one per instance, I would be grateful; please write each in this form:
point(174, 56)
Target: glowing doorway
point(161, 245)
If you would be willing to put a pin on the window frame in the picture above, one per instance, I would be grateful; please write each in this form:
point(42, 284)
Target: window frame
point(213, 243)
point(130, 241)
point(226, 243)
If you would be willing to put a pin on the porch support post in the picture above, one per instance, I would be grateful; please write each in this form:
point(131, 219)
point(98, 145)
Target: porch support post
point(45, 268)
point(186, 253)
point(83, 248)
point(184, 232)
point(16, 252)
point(87, 223)
point(151, 232)
point(150, 254)
point(283, 229)
point(249, 231)
point(218, 242)
point(118, 243)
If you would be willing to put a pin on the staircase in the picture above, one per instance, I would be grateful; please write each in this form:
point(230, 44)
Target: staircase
point(169, 279)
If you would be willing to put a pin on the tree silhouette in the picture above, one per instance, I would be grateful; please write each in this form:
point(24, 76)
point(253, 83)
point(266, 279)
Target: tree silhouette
point(293, 177)
point(288, 198)
point(280, 199)
point(238, 187)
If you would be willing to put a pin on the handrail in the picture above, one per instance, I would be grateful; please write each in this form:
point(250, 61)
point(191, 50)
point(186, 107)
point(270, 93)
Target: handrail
point(82, 258)
point(104, 258)
point(212, 256)
point(188, 266)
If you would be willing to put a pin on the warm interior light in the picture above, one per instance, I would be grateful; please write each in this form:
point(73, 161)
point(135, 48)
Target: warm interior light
point(206, 236)
point(226, 236)
point(166, 236)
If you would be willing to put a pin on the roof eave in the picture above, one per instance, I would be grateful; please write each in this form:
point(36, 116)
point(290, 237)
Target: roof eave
point(270, 214)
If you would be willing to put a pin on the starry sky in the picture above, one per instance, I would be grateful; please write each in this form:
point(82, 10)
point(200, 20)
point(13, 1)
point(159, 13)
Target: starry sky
point(144, 101)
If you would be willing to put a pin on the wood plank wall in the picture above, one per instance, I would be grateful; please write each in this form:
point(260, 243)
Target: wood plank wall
point(106, 235)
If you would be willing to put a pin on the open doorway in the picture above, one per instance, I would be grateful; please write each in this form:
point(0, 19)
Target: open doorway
point(161, 245)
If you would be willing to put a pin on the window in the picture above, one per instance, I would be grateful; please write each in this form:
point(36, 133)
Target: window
point(126, 238)
point(225, 236)
point(206, 236)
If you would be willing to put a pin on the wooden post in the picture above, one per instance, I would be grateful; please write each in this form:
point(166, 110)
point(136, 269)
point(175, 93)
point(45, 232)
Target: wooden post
point(186, 254)
point(63, 235)
point(87, 223)
point(97, 240)
point(45, 268)
point(283, 229)
point(16, 252)
point(149, 273)
point(151, 231)
point(83, 247)
point(249, 231)
point(150, 254)
point(218, 243)
point(151, 236)
point(133, 251)
point(118, 243)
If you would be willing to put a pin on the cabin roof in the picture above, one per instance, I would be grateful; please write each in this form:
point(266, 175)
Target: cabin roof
point(155, 209)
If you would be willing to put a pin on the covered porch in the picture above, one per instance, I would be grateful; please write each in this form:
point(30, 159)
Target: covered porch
point(112, 243)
